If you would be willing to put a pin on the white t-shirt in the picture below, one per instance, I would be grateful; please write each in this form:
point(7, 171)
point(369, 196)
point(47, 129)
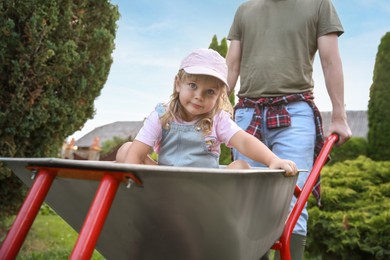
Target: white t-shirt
point(223, 129)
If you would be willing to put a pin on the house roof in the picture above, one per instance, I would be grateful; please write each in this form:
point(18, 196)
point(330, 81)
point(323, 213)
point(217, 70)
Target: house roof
point(357, 121)
point(121, 129)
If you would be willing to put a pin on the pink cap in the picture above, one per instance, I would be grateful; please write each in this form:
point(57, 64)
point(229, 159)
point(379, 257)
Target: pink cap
point(206, 62)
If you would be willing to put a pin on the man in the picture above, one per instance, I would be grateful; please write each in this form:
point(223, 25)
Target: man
point(272, 49)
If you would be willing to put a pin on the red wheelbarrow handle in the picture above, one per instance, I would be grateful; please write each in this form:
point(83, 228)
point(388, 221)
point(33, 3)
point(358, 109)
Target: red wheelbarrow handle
point(283, 245)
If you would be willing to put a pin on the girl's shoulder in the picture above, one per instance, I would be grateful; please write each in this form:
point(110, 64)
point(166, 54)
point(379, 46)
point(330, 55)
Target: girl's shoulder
point(160, 108)
point(222, 115)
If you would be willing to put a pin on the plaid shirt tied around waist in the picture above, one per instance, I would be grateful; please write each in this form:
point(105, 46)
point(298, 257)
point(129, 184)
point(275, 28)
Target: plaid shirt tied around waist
point(277, 116)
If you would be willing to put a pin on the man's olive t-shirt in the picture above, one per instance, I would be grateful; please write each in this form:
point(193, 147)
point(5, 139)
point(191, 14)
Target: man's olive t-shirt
point(278, 42)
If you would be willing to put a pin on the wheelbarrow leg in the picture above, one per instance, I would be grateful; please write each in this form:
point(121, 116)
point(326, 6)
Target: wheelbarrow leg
point(285, 252)
point(95, 219)
point(26, 216)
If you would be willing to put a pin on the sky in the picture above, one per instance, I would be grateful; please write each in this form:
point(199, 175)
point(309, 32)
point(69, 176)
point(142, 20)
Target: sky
point(153, 36)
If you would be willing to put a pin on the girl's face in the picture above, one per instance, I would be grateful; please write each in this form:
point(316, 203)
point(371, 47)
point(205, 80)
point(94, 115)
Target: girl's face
point(197, 95)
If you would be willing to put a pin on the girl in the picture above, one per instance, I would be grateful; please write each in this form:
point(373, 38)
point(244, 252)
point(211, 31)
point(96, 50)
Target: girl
point(189, 129)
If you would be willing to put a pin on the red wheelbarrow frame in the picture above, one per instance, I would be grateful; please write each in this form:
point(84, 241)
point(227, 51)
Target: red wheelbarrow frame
point(283, 244)
point(105, 194)
point(94, 221)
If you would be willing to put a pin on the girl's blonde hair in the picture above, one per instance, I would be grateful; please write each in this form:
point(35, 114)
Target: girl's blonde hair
point(175, 110)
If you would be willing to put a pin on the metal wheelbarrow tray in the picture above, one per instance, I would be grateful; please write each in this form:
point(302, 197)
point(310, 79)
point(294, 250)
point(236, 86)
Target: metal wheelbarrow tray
point(158, 212)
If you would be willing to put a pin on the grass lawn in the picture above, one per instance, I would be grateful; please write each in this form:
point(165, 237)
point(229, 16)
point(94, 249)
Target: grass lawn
point(49, 238)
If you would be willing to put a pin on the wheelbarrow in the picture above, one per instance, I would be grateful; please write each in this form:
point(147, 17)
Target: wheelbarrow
point(160, 212)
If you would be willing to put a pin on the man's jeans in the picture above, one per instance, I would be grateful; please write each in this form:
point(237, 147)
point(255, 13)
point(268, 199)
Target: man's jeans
point(294, 143)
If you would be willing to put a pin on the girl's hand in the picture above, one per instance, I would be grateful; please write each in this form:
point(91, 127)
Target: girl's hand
point(289, 166)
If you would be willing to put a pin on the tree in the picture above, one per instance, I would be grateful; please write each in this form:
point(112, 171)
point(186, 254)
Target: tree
point(222, 48)
point(55, 57)
point(379, 105)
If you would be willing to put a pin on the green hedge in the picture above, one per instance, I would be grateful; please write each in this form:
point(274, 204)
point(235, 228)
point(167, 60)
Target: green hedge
point(353, 222)
point(352, 149)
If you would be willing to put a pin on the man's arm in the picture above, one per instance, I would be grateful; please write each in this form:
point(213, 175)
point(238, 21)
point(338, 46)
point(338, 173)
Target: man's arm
point(334, 80)
point(233, 61)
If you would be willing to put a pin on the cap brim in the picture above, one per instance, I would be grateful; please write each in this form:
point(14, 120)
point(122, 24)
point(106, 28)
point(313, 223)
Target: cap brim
point(200, 70)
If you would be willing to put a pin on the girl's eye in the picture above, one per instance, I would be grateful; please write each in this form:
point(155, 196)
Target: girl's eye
point(192, 85)
point(210, 92)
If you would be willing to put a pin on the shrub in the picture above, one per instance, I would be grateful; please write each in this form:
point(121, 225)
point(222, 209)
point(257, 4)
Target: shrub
point(353, 222)
point(55, 57)
point(352, 149)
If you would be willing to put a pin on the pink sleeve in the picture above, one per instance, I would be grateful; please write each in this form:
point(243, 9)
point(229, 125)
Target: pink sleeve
point(225, 127)
point(151, 131)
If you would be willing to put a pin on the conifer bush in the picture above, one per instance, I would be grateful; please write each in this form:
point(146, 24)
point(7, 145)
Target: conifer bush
point(379, 105)
point(55, 57)
point(353, 222)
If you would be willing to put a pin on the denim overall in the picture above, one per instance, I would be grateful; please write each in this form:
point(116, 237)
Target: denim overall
point(184, 145)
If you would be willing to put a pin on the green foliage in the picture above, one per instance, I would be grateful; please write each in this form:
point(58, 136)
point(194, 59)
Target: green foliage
point(220, 48)
point(154, 156)
point(353, 222)
point(379, 105)
point(50, 237)
point(46, 210)
point(112, 144)
point(352, 149)
point(12, 192)
point(55, 57)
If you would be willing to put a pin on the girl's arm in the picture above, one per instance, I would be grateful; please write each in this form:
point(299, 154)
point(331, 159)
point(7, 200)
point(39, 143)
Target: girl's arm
point(253, 148)
point(135, 152)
